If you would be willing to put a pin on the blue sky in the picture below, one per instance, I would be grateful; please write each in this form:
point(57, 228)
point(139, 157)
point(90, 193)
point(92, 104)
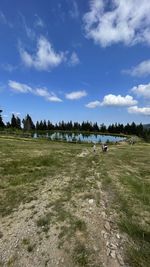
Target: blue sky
point(75, 60)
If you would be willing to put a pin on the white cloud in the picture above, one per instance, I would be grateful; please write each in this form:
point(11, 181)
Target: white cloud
point(29, 31)
point(43, 92)
point(142, 90)
point(74, 59)
point(39, 22)
point(47, 95)
point(76, 95)
point(142, 69)
point(26, 58)
point(126, 21)
point(54, 98)
point(45, 57)
point(74, 13)
point(93, 104)
point(19, 87)
point(4, 20)
point(118, 100)
point(140, 111)
point(113, 100)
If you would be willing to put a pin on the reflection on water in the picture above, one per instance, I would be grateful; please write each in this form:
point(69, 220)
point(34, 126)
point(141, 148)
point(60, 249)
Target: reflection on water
point(79, 137)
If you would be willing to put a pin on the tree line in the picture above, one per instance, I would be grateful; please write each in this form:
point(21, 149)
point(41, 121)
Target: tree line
point(27, 124)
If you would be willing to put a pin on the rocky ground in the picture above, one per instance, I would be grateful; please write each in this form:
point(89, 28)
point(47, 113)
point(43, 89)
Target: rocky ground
point(24, 242)
point(69, 221)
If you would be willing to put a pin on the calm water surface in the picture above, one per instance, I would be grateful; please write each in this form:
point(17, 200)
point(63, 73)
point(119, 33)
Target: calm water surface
point(73, 137)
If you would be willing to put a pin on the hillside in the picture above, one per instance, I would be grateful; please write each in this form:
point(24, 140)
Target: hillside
point(146, 126)
point(65, 205)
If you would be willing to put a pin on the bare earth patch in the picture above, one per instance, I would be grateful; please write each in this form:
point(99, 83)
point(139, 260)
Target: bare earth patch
point(72, 218)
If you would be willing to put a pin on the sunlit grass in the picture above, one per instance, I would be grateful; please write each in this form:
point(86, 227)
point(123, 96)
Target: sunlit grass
point(124, 174)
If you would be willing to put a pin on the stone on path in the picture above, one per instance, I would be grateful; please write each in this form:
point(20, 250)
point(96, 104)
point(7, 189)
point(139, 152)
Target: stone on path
point(113, 254)
point(91, 201)
point(107, 226)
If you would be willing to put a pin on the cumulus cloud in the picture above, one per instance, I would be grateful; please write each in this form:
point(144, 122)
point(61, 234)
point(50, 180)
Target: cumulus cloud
point(45, 57)
point(54, 98)
point(114, 21)
point(113, 100)
point(142, 69)
point(118, 100)
point(141, 111)
point(19, 87)
point(93, 104)
point(50, 96)
point(74, 59)
point(142, 90)
point(43, 92)
point(76, 95)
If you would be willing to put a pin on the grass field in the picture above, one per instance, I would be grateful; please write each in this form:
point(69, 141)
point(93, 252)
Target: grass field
point(64, 177)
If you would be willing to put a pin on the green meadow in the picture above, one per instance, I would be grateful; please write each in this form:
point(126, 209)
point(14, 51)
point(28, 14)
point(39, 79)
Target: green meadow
point(70, 175)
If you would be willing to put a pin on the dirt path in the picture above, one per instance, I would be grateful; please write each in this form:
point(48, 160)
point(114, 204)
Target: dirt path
point(63, 226)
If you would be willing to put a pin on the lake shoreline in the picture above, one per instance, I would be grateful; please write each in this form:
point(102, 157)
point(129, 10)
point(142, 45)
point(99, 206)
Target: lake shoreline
point(69, 136)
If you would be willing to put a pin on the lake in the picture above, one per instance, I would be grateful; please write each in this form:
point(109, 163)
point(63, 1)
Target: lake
point(80, 137)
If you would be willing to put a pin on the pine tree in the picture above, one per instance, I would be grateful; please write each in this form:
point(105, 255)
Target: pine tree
point(2, 125)
point(28, 123)
point(37, 125)
point(103, 128)
point(44, 125)
point(18, 122)
point(50, 126)
point(13, 121)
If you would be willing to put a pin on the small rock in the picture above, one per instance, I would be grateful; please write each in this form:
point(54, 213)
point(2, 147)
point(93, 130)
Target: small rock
point(103, 232)
point(113, 246)
point(107, 244)
point(108, 252)
point(107, 226)
point(113, 254)
point(105, 236)
point(120, 260)
point(91, 201)
point(95, 248)
point(118, 236)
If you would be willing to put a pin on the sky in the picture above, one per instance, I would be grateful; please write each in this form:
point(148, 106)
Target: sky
point(75, 60)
